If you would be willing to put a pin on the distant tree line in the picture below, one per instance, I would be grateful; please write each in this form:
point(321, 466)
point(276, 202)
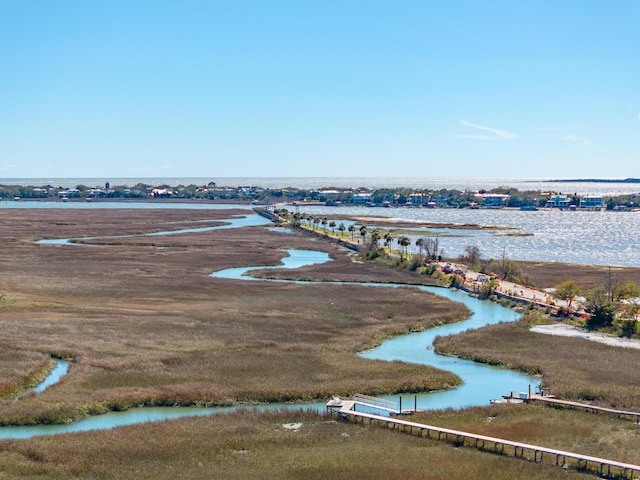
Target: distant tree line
point(445, 198)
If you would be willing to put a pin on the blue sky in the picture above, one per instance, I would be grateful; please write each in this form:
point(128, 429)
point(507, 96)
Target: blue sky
point(544, 89)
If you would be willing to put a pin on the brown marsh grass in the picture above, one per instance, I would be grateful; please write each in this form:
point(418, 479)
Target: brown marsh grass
point(251, 445)
point(20, 370)
point(146, 325)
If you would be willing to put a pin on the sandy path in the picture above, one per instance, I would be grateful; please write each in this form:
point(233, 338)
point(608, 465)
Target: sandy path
point(570, 331)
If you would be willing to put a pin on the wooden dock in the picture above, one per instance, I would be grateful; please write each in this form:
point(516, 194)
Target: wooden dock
point(584, 406)
point(337, 404)
point(346, 409)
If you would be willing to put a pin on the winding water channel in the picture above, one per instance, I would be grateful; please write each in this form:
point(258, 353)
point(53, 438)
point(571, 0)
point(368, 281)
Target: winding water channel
point(481, 382)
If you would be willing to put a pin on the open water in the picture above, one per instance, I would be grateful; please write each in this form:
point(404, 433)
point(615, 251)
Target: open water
point(310, 183)
point(590, 238)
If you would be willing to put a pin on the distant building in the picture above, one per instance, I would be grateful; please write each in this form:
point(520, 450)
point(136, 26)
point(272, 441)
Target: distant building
point(246, 190)
point(493, 199)
point(440, 201)
point(161, 193)
point(329, 195)
point(362, 198)
point(72, 192)
point(558, 201)
point(592, 202)
point(418, 199)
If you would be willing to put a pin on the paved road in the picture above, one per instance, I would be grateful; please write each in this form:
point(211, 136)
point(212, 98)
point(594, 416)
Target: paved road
point(530, 294)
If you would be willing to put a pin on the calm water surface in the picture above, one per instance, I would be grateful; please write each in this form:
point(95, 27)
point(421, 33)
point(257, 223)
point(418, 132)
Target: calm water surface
point(591, 238)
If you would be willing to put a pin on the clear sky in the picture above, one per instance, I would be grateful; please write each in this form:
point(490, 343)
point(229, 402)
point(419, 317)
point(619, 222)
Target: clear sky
point(183, 88)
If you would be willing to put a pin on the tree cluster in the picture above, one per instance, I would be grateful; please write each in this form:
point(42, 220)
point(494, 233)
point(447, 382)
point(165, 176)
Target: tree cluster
point(611, 305)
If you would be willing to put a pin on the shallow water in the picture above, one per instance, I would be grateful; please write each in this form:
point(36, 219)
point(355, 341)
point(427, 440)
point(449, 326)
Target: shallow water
point(59, 371)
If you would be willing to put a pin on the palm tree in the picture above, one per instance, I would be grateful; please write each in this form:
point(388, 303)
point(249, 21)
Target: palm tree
point(341, 229)
point(316, 221)
point(352, 228)
point(332, 225)
point(324, 224)
point(404, 242)
point(363, 232)
point(420, 244)
point(387, 240)
point(375, 236)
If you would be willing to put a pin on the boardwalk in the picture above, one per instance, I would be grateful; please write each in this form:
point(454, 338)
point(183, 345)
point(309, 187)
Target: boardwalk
point(346, 409)
point(583, 406)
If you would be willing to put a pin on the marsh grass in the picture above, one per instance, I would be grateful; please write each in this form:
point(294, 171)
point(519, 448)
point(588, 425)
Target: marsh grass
point(148, 326)
point(258, 445)
point(585, 433)
point(20, 370)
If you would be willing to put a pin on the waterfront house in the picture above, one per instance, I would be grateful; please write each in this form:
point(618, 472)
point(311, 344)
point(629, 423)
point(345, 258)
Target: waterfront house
point(558, 201)
point(362, 198)
point(161, 193)
point(493, 200)
point(591, 201)
point(418, 199)
point(72, 192)
point(329, 195)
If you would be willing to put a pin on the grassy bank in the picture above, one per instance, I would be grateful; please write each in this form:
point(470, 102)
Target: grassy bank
point(20, 370)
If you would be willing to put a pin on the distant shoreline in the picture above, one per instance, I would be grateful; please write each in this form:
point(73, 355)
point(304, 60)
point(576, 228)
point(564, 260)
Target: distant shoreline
point(596, 180)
